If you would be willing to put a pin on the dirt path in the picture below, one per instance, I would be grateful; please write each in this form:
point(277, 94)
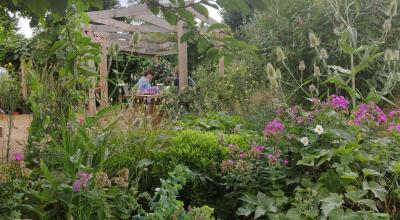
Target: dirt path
point(19, 134)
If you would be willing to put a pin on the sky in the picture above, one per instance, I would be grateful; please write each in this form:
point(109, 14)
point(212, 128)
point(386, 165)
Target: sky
point(23, 23)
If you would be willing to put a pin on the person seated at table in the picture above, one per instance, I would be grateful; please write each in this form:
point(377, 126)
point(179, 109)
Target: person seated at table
point(144, 83)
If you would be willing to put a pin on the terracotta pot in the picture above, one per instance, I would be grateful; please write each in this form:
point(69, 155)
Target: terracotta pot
point(15, 113)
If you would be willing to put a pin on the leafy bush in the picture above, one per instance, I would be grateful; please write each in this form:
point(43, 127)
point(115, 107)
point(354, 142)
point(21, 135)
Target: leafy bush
point(320, 163)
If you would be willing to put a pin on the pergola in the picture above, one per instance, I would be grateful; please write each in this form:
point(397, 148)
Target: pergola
point(104, 24)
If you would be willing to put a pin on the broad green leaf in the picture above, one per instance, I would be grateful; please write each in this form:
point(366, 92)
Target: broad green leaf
point(396, 167)
point(203, 45)
point(47, 174)
point(188, 16)
point(260, 211)
point(154, 9)
point(96, 3)
point(378, 190)
point(87, 71)
point(370, 172)
point(356, 195)
point(370, 203)
point(37, 7)
point(350, 176)
point(187, 36)
point(58, 5)
point(201, 9)
point(293, 214)
point(169, 16)
point(245, 210)
point(266, 202)
point(364, 64)
point(260, 4)
point(216, 26)
point(347, 149)
point(249, 199)
point(330, 203)
point(57, 45)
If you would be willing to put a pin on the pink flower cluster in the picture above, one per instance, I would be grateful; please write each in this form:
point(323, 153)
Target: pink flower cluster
point(18, 157)
point(82, 180)
point(274, 127)
point(338, 102)
point(394, 113)
point(394, 127)
point(369, 112)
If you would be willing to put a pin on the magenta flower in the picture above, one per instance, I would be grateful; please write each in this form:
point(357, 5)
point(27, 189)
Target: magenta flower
point(270, 156)
point(274, 127)
point(394, 113)
point(394, 127)
point(259, 148)
point(285, 162)
point(82, 180)
point(18, 157)
point(369, 112)
point(242, 155)
point(338, 102)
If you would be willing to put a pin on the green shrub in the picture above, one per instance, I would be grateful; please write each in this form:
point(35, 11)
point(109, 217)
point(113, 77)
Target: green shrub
point(197, 149)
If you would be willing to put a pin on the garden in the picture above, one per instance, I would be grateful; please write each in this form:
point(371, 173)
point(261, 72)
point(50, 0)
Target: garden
point(155, 110)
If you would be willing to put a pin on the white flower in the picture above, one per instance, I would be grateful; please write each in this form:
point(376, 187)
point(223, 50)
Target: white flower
point(304, 141)
point(319, 130)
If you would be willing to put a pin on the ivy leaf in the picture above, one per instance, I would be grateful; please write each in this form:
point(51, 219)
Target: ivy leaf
point(378, 190)
point(201, 9)
point(330, 203)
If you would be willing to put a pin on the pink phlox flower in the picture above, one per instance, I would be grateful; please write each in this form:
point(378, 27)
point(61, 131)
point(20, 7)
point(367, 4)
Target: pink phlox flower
point(285, 162)
point(82, 180)
point(395, 127)
point(242, 155)
point(273, 127)
point(338, 102)
point(366, 112)
point(394, 113)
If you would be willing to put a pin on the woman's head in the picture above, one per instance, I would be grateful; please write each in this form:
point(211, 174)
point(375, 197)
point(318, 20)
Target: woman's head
point(149, 74)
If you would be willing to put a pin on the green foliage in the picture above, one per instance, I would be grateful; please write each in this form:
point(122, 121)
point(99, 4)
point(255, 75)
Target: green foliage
point(197, 150)
point(10, 93)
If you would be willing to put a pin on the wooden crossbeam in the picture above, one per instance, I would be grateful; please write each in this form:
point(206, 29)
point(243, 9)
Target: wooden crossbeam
point(149, 52)
point(145, 45)
point(130, 27)
point(103, 28)
point(152, 19)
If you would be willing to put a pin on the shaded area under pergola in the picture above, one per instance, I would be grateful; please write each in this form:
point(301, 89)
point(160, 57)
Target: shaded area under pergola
point(108, 25)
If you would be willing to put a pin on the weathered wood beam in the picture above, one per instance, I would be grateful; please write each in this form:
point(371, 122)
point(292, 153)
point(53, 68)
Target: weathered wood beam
point(182, 57)
point(104, 71)
point(151, 53)
point(120, 12)
point(145, 45)
point(130, 27)
point(208, 20)
point(152, 19)
point(103, 28)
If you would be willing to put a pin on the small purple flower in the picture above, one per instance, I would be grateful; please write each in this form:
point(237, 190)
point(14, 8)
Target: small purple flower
point(338, 102)
point(285, 162)
point(394, 113)
point(242, 155)
point(274, 127)
point(77, 186)
point(270, 156)
point(82, 180)
point(260, 148)
point(394, 127)
point(369, 112)
point(18, 157)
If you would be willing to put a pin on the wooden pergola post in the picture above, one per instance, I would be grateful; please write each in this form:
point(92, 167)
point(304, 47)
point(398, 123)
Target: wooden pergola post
point(91, 105)
point(182, 56)
point(221, 61)
point(103, 71)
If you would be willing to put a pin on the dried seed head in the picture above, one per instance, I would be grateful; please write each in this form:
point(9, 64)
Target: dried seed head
point(396, 54)
point(102, 180)
point(280, 54)
point(302, 65)
point(317, 72)
point(278, 74)
point(392, 10)
point(388, 55)
point(314, 41)
point(274, 84)
point(124, 173)
point(387, 25)
point(271, 72)
point(312, 88)
point(136, 37)
point(397, 77)
point(323, 55)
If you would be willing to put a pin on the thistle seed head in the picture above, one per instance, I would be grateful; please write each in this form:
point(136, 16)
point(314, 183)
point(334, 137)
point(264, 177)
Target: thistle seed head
point(396, 55)
point(392, 10)
point(314, 41)
point(280, 54)
point(323, 55)
point(387, 25)
point(317, 72)
point(271, 72)
point(388, 55)
point(302, 65)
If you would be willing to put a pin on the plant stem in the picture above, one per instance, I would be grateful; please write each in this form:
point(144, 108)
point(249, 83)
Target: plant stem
point(353, 82)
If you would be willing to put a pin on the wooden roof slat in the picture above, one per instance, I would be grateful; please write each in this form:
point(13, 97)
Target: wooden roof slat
point(130, 27)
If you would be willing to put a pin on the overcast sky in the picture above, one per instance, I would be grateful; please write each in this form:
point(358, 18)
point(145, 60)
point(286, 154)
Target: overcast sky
point(23, 23)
